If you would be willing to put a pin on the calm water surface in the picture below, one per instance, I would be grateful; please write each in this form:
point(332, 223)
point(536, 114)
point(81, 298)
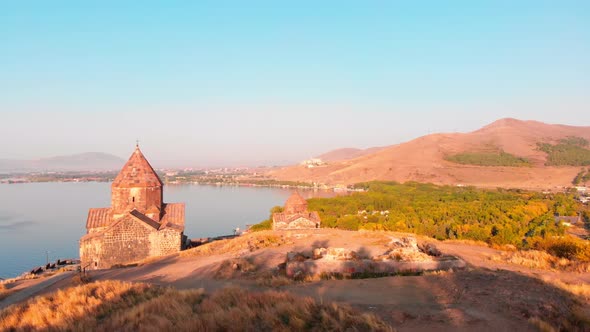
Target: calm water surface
point(39, 219)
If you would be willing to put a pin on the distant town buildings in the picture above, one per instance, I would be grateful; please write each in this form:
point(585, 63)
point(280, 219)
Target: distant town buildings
point(295, 215)
point(314, 162)
point(138, 224)
point(569, 220)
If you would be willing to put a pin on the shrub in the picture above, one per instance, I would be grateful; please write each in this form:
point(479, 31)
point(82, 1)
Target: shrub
point(572, 151)
point(565, 247)
point(498, 217)
point(499, 158)
point(263, 226)
point(267, 224)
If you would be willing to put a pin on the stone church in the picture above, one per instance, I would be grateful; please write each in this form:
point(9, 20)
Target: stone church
point(295, 215)
point(138, 224)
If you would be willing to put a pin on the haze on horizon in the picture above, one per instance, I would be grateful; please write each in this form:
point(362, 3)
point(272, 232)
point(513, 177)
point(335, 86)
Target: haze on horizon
point(266, 83)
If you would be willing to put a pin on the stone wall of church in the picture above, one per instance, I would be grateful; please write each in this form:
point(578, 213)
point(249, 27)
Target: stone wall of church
point(128, 242)
point(165, 242)
point(90, 252)
point(300, 223)
point(124, 200)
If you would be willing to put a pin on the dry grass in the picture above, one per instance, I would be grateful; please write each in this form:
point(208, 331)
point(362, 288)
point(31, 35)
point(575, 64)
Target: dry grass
point(541, 325)
point(247, 243)
point(274, 281)
point(581, 290)
point(80, 279)
point(117, 306)
point(468, 242)
point(234, 268)
point(73, 308)
point(379, 238)
point(542, 260)
point(4, 291)
point(438, 272)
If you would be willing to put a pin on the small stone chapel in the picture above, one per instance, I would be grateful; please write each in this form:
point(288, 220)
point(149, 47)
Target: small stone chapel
point(295, 215)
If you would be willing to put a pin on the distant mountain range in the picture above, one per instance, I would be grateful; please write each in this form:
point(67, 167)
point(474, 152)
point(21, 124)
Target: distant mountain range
point(90, 161)
point(487, 157)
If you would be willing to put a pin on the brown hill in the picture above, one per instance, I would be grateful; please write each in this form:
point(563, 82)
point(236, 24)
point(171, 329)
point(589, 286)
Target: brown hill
point(347, 153)
point(423, 159)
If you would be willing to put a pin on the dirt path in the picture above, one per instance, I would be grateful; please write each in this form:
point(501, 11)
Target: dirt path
point(33, 290)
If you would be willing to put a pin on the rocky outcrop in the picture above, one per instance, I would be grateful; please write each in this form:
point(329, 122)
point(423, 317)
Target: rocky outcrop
point(402, 255)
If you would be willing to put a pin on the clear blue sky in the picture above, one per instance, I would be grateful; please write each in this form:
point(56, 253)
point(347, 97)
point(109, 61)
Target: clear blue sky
point(248, 82)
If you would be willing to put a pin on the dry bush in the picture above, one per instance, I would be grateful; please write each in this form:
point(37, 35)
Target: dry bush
point(503, 247)
point(80, 279)
point(438, 272)
point(581, 290)
point(468, 242)
point(239, 310)
point(115, 306)
point(542, 260)
point(564, 247)
point(76, 308)
point(275, 281)
point(249, 242)
point(232, 268)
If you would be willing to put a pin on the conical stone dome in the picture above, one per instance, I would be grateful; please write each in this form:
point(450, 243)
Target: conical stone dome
point(137, 187)
point(295, 204)
point(137, 172)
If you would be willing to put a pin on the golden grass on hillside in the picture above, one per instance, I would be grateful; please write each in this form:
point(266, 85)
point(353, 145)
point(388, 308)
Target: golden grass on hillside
point(468, 242)
point(249, 242)
point(568, 247)
point(580, 290)
point(117, 306)
point(73, 307)
point(542, 260)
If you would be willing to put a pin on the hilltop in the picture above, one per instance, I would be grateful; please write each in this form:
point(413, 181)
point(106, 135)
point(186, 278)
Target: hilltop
point(347, 153)
point(506, 153)
point(497, 291)
point(89, 161)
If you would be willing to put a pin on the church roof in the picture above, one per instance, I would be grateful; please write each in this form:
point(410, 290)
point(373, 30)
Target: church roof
point(295, 200)
point(287, 218)
point(145, 219)
point(173, 216)
point(295, 204)
point(137, 172)
point(99, 217)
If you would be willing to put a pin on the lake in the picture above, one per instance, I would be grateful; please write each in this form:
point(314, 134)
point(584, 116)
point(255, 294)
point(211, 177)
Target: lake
point(47, 219)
